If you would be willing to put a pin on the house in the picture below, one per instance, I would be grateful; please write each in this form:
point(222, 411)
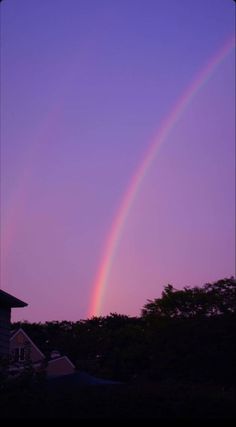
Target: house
point(23, 350)
point(7, 301)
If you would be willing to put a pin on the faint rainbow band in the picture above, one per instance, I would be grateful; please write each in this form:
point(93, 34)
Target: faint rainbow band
point(114, 236)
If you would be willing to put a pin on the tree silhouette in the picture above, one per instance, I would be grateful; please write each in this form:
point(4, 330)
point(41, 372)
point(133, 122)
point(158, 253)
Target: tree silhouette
point(211, 300)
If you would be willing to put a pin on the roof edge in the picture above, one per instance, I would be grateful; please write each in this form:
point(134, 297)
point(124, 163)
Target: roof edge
point(8, 300)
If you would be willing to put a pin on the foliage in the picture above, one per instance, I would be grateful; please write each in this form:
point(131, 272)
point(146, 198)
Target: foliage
point(186, 334)
point(212, 299)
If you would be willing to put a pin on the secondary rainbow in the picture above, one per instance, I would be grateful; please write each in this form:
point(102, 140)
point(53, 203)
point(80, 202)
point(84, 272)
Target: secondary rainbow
point(120, 219)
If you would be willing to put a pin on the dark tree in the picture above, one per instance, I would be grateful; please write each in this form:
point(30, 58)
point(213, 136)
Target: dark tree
point(211, 300)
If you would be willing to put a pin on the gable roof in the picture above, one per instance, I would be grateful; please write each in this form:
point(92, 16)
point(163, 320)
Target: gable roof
point(51, 361)
point(15, 333)
point(7, 300)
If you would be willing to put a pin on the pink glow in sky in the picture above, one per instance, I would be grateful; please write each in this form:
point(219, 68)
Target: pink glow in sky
point(85, 86)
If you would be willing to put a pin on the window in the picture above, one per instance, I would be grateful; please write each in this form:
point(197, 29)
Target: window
point(22, 354)
point(19, 354)
point(16, 354)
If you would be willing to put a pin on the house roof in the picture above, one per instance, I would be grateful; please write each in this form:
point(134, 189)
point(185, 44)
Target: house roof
point(7, 300)
point(52, 361)
point(20, 330)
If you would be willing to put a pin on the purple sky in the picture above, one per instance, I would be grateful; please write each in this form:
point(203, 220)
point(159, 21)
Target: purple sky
point(85, 85)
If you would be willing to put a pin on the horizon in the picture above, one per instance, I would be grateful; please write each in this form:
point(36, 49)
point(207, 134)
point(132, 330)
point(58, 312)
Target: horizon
point(111, 314)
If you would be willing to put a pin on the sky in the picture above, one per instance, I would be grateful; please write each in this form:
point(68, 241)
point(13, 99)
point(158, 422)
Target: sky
point(85, 87)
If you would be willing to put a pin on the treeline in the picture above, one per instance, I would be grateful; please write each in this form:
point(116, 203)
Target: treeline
point(186, 335)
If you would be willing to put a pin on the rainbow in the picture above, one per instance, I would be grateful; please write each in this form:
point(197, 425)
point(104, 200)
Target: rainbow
point(17, 200)
point(114, 236)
